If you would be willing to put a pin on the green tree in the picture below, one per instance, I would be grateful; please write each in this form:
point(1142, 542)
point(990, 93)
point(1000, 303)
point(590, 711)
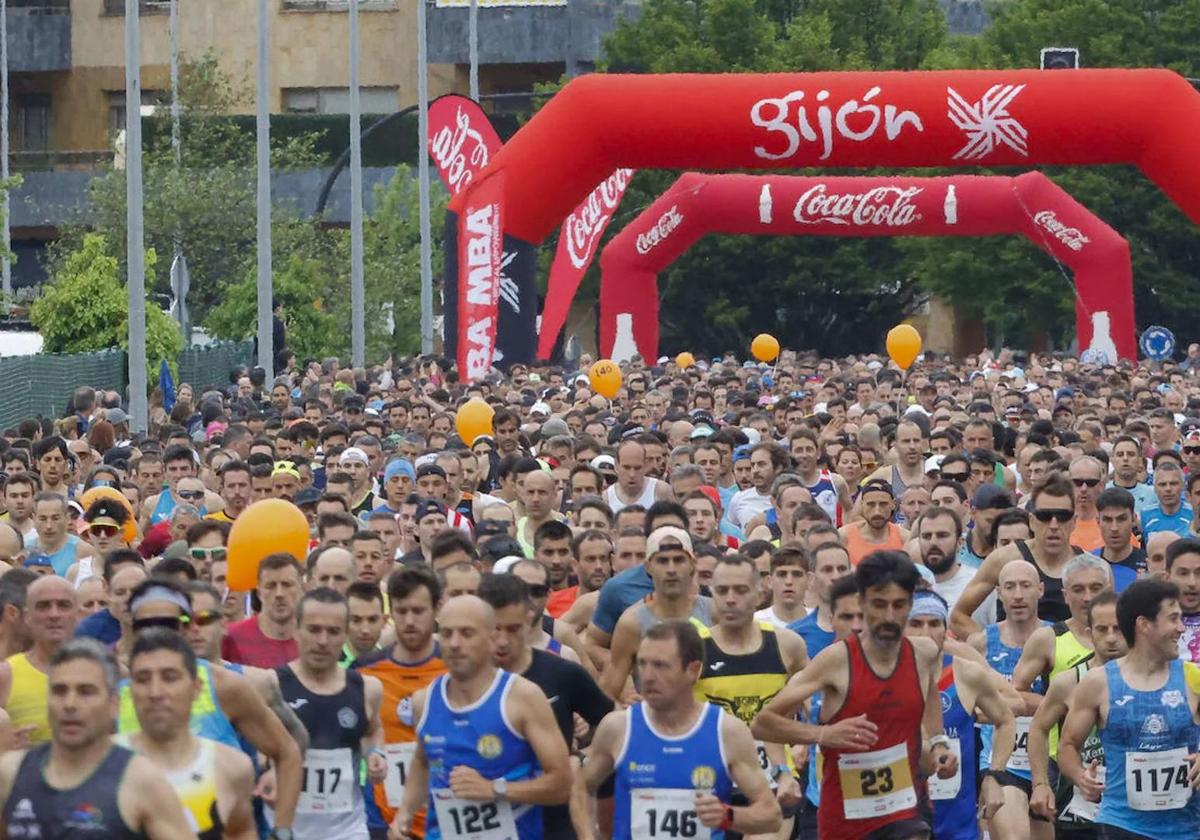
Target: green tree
point(85, 308)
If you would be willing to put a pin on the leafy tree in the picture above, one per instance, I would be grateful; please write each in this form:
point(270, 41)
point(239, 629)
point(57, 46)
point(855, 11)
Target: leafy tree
point(312, 280)
point(85, 308)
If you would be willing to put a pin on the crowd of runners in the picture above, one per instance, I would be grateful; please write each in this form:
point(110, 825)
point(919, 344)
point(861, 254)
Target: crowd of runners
point(818, 599)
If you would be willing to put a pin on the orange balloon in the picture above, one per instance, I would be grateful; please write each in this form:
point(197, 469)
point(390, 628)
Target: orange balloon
point(474, 419)
point(685, 360)
point(271, 526)
point(95, 494)
point(765, 347)
point(605, 377)
point(904, 345)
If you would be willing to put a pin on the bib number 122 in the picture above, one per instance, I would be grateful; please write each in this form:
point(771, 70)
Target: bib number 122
point(472, 819)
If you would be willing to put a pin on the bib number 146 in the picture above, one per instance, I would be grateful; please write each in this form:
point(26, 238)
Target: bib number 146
point(666, 814)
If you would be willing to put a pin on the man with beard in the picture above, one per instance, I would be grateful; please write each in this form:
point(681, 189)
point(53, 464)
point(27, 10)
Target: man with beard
point(967, 692)
point(876, 532)
point(593, 554)
point(878, 733)
point(570, 690)
point(938, 533)
point(1074, 807)
point(989, 501)
point(746, 663)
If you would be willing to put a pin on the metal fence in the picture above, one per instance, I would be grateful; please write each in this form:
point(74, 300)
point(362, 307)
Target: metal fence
point(32, 386)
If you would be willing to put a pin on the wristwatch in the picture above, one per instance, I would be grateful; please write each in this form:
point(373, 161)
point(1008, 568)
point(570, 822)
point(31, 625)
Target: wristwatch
point(500, 789)
point(281, 834)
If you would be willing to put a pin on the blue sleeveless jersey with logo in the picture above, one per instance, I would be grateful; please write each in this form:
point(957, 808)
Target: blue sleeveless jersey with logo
point(954, 818)
point(683, 763)
point(478, 736)
point(1003, 660)
point(1146, 723)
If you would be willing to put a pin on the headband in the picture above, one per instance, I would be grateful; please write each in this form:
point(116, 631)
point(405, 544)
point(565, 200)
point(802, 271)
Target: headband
point(158, 594)
point(930, 605)
point(286, 468)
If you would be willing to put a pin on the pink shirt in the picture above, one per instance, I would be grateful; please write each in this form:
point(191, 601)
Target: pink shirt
point(245, 643)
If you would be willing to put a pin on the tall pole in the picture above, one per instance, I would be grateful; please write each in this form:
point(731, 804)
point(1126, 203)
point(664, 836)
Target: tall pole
point(473, 40)
point(266, 352)
point(176, 145)
point(135, 245)
point(5, 263)
point(358, 341)
point(423, 182)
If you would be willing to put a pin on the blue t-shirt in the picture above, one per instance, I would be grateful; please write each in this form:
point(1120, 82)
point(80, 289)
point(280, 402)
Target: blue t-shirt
point(101, 626)
point(1143, 497)
point(1154, 520)
point(815, 638)
point(619, 594)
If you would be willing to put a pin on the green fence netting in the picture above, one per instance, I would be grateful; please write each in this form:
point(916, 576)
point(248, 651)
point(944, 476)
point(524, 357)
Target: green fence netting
point(41, 385)
point(202, 367)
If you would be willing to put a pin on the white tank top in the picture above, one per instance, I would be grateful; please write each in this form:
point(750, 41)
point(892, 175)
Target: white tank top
point(645, 500)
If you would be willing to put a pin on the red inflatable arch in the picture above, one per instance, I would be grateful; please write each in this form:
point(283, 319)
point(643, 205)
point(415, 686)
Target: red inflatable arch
point(1030, 205)
point(597, 123)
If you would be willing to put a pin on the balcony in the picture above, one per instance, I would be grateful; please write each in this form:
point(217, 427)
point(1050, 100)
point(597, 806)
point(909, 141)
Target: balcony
point(527, 34)
point(39, 35)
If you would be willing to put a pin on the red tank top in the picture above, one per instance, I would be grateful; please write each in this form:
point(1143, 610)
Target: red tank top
point(862, 792)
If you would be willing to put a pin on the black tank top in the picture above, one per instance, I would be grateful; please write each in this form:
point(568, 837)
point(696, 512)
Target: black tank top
point(1053, 605)
point(35, 809)
point(333, 721)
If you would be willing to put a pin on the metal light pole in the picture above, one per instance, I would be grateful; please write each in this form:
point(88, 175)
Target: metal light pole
point(266, 352)
point(5, 263)
point(134, 238)
point(358, 342)
point(423, 182)
point(473, 40)
point(176, 146)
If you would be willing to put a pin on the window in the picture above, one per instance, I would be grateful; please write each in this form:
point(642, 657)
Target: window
point(374, 100)
point(32, 129)
point(116, 106)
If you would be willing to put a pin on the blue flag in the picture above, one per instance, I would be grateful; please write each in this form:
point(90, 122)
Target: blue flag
point(167, 383)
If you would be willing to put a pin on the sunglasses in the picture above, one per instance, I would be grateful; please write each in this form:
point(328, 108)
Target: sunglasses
point(959, 477)
point(191, 495)
point(164, 622)
point(204, 618)
point(103, 530)
point(1085, 482)
point(539, 590)
point(213, 555)
point(1059, 515)
point(1191, 450)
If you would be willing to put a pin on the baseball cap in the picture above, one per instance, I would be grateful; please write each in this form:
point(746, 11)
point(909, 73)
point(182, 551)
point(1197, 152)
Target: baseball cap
point(307, 496)
point(667, 533)
point(540, 408)
point(428, 507)
point(600, 462)
point(116, 416)
point(991, 497)
point(38, 560)
point(490, 528)
point(701, 431)
point(355, 454)
point(934, 463)
point(742, 453)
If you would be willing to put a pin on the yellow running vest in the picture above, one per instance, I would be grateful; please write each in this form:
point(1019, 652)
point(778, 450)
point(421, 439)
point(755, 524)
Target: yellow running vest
point(27, 698)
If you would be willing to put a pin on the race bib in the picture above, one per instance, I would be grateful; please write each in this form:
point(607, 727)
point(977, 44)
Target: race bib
point(1157, 781)
point(665, 813)
point(399, 759)
point(877, 783)
point(1019, 760)
point(467, 820)
point(764, 762)
point(940, 788)
point(1083, 809)
point(328, 783)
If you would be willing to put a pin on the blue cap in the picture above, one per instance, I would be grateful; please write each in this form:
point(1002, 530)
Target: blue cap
point(399, 466)
point(38, 560)
point(742, 453)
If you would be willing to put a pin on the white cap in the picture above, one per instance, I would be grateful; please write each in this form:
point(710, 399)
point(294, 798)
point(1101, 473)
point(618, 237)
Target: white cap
point(602, 461)
point(934, 462)
point(505, 564)
point(667, 533)
point(752, 436)
point(540, 408)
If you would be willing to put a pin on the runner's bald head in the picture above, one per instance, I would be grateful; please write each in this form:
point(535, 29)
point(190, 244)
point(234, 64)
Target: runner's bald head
point(1018, 570)
point(468, 609)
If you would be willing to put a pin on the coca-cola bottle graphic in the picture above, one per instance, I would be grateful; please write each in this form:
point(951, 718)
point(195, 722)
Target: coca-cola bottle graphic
point(951, 206)
point(764, 205)
point(624, 346)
